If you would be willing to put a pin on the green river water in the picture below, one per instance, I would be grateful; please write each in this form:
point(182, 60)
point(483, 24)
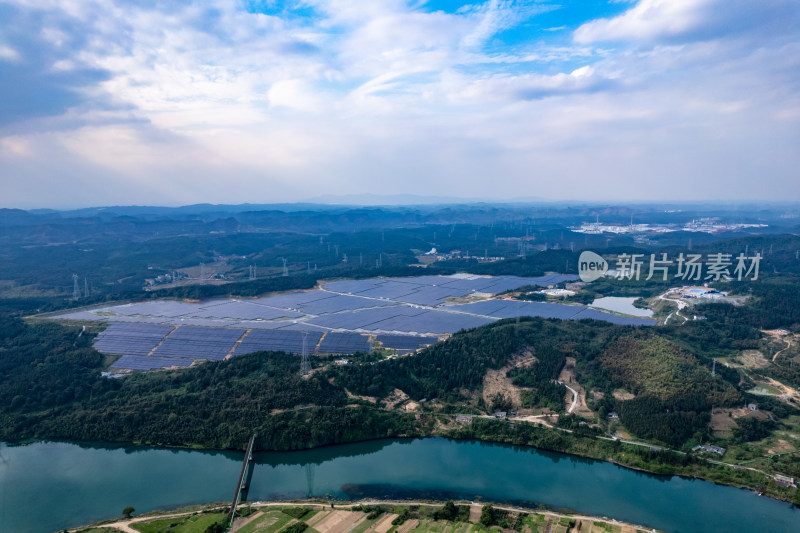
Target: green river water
point(48, 486)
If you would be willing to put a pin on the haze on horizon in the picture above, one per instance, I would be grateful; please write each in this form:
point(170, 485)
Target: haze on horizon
point(174, 103)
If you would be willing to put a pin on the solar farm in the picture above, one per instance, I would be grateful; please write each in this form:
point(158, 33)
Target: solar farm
point(340, 317)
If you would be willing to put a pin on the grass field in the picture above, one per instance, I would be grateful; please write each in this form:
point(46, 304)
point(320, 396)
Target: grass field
point(536, 523)
point(271, 522)
point(196, 523)
point(364, 524)
point(433, 526)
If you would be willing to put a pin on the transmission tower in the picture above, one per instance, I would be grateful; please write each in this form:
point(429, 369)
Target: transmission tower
point(285, 270)
point(305, 366)
point(85, 287)
point(76, 289)
point(252, 272)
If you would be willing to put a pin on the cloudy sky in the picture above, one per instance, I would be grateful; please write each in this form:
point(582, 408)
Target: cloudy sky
point(108, 102)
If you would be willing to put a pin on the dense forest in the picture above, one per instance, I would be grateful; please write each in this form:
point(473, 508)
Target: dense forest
point(51, 387)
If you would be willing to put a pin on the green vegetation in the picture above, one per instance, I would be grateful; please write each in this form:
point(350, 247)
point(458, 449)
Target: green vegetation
point(195, 523)
point(297, 527)
point(674, 393)
point(298, 513)
point(447, 369)
point(540, 378)
point(271, 522)
point(53, 389)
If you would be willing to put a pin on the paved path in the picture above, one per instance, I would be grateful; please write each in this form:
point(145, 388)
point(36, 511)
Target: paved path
point(574, 398)
point(681, 304)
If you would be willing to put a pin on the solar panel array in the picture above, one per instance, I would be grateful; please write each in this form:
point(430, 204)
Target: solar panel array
point(137, 362)
point(344, 343)
point(431, 322)
point(131, 339)
point(278, 341)
point(236, 309)
point(509, 309)
point(405, 342)
point(434, 290)
point(199, 343)
point(340, 303)
point(393, 308)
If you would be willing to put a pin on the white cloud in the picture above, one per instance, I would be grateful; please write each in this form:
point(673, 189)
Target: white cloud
point(8, 53)
point(15, 145)
point(688, 20)
point(295, 94)
point(381, 97)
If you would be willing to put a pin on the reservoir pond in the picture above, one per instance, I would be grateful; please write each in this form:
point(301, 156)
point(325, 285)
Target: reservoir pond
point(621, 304)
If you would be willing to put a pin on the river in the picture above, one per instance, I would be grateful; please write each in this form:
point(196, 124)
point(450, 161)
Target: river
point(48, 486)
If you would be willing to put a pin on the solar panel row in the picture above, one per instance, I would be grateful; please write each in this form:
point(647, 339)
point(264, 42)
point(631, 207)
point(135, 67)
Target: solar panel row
point(344, 343)
point(134, 339)
point(200, 333)
point(134, 362)
point(279, 341)
point(405, 342)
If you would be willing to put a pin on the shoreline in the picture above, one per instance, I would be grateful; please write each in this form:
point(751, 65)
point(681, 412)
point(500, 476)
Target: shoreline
point(320, 504)
point(609, 460)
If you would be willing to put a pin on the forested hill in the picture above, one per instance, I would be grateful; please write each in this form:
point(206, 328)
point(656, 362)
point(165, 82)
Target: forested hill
point(51, 387)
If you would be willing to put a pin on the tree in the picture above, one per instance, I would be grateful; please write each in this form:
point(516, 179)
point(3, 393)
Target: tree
point(216, 527)
point(448, 512)
point(487, 516)
point(128, 511)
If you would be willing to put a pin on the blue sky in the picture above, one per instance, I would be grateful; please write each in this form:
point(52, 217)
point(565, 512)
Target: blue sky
point(166, 102)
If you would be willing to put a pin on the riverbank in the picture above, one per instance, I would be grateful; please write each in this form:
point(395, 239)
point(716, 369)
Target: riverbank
point(57, 485)
point(636, 456)
point(374, 516)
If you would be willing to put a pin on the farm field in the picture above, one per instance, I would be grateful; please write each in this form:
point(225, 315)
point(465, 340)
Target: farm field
point(386, 519)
